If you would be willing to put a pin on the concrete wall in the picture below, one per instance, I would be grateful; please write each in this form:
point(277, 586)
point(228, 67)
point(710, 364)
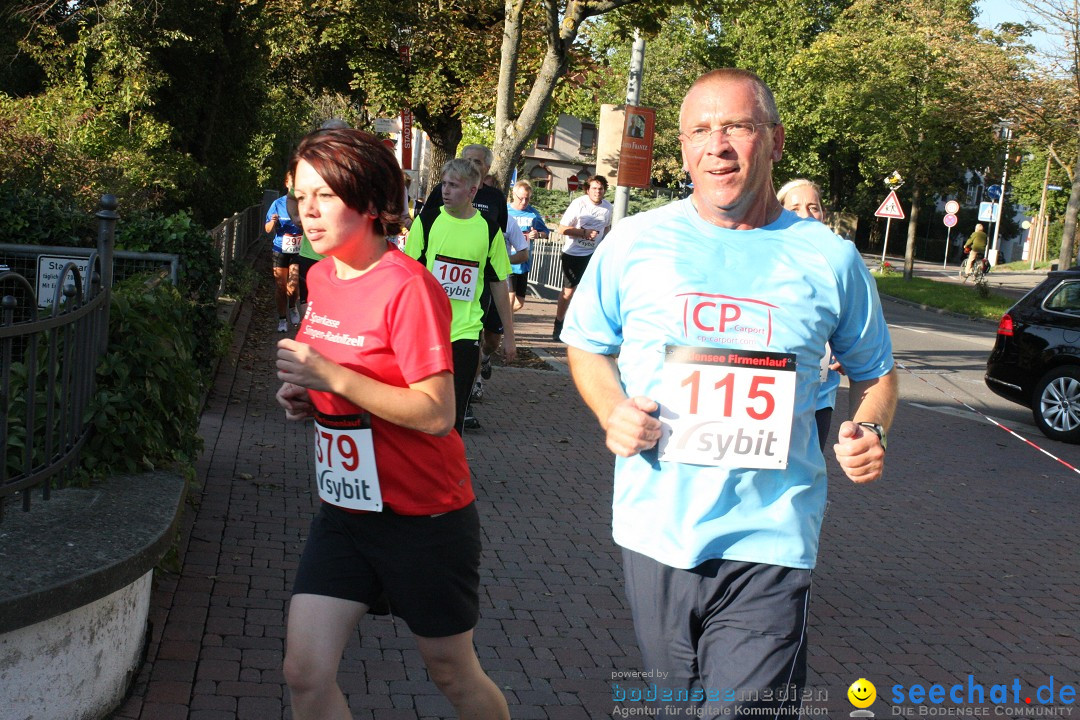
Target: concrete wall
point(78, 665)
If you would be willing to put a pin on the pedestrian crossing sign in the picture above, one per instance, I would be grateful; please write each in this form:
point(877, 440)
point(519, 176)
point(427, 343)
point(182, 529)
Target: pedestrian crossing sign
point(891, 208)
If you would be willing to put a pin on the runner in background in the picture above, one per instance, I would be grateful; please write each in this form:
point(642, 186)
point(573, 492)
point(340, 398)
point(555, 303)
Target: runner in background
point(532, 227)
point(584, 224)
point(803, 197)
point(288, 236)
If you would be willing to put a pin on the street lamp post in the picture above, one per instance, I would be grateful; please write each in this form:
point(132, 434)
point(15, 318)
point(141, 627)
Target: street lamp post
point(1006, 132)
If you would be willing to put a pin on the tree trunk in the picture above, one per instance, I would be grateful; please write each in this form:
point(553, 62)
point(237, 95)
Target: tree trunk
point(913, 222)
point(1071, 211)
point(445, 133)
point(513, 130)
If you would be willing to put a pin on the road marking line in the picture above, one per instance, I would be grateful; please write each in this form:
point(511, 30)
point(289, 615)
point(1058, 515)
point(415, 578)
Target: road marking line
point(982, 342)
point(992, 420)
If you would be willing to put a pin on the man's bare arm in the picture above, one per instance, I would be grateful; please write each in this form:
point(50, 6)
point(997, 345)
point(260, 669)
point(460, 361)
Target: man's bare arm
point(626, 421)
point(858, 450)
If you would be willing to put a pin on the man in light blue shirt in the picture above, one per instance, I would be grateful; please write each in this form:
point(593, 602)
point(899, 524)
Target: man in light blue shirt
point(718, 308)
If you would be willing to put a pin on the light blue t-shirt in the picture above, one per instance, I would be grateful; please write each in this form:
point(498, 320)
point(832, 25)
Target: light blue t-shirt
point(670, 278)
point(527, 219)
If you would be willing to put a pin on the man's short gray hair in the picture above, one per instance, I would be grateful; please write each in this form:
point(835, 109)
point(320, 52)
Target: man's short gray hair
point(489, 157)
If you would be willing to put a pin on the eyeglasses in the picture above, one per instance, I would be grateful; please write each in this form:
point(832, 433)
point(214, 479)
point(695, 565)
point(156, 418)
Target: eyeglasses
point(732, 131)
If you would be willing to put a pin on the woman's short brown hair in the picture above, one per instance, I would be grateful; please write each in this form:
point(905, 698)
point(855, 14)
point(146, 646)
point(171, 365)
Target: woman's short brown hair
point(360, 169)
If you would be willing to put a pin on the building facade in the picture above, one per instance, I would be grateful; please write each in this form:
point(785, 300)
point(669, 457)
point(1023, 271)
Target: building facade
point(565, 158)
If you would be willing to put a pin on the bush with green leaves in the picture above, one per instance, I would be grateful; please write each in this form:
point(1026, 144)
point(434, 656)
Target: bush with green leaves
point(145, 408)
point(34, 218)
point(39, 219)
point(200, 270)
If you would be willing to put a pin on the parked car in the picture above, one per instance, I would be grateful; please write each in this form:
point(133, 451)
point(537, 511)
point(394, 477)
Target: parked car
point(1036, 359)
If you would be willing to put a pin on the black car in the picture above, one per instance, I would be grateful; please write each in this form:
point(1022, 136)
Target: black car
point(1036, 359)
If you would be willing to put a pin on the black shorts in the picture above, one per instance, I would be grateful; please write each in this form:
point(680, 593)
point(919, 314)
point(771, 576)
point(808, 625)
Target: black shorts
point(519, 284)
point(573, 267)
point(428, 567)
point(492, 321)
point(284, 260)
point(722, 624)
point(306, 264)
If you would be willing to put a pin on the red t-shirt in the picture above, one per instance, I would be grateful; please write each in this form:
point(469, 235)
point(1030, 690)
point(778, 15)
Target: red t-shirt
point(392, 324)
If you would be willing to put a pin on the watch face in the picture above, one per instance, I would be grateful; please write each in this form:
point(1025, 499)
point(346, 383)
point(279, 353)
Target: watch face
point(877, 430)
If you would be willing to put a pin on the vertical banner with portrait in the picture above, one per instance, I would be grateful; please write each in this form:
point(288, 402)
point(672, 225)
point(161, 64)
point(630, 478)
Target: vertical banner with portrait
point(635, 157)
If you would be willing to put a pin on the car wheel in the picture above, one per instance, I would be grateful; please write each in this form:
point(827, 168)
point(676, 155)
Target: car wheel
point(1056, 404)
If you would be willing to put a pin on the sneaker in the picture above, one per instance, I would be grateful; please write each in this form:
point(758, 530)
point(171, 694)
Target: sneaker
point(294, 316)
point(485, 367)
point(477, 394)
point(558, 330)
point(471, 423)
point(283, 325)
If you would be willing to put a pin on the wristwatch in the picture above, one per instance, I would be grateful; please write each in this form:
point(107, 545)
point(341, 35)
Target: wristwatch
point(877, 430)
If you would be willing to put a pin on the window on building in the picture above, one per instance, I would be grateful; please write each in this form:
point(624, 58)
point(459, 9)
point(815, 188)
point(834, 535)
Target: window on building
point(545, 142)
point(588, 139)
point(540, 177)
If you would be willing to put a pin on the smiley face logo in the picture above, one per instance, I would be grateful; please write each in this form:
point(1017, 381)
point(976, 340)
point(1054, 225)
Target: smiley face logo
point(862, 693)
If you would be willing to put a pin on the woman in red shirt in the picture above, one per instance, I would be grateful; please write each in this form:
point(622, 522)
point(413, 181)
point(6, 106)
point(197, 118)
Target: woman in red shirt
point(372, 366)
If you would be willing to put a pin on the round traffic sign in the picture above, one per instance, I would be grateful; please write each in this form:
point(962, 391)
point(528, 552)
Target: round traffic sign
point(994, 192)
point(949, 220)
point(952, 207)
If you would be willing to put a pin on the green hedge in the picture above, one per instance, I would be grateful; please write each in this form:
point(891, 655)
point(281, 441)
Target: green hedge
point(145, 408)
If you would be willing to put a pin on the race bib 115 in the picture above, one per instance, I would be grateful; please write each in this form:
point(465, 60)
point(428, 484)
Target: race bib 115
point(725, 407)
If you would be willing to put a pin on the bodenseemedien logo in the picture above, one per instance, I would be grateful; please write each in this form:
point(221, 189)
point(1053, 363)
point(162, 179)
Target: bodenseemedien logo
point(862, 694)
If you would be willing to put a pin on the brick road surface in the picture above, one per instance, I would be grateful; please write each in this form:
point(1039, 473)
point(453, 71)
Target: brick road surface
point(963, 560)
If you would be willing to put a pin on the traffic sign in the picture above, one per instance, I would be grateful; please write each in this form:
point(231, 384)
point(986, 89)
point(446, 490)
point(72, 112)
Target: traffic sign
point(1053, 187)
point(387, 125)
point(949, 220)
point(994, 192)
point(49, 267)
point(989, 211)
point(952, 207)
point(891, 208)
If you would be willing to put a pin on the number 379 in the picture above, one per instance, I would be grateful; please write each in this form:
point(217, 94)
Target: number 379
point(345, 446)
point(760, 405)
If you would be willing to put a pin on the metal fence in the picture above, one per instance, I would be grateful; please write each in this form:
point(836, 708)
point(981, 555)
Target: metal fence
point(234, 238)
point(546, 270)
point(48, 358)
point(43, 263)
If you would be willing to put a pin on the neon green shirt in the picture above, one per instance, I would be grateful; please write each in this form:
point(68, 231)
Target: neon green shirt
point(463, 257)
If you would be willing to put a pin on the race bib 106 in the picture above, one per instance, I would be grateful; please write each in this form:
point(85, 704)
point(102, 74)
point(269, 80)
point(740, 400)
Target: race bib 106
point(725, 407)
point(345, 462)
point(458, 277)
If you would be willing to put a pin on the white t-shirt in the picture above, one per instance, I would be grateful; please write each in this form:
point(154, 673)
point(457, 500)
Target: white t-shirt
point(583, 214)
